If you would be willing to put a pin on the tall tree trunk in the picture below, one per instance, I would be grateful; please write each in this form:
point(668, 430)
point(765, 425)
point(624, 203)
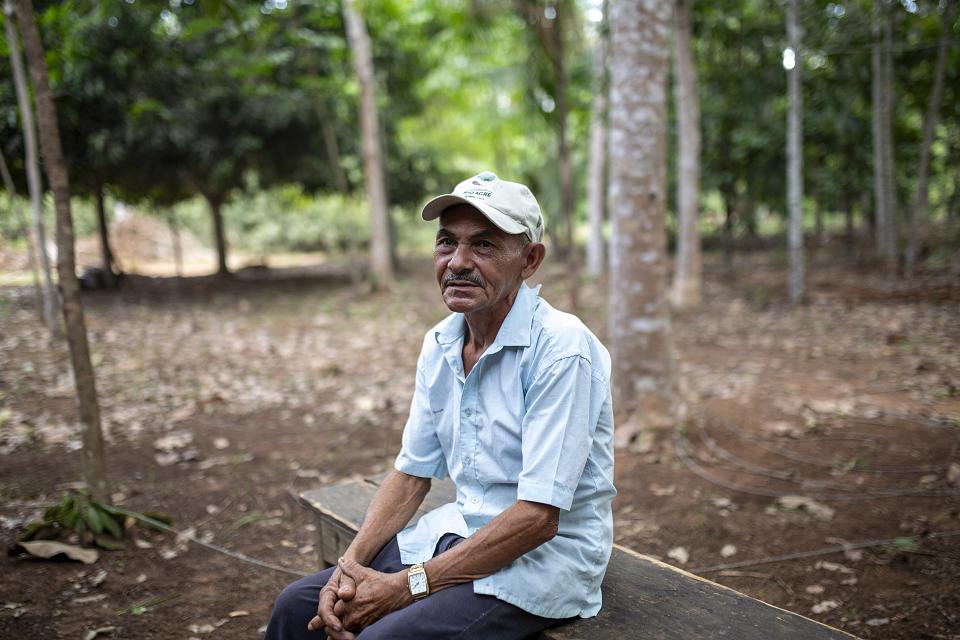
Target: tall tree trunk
point(889, 179)
point(549, 30)
point(332, 148)
point(795, 160)
point(51, 301)
point(921, 200)
point(381, 262)
point(729, 222)
point(215, 202)
point(564, 162)
point(687, 272)
point(25, 229)
point(176, 244)
point(93, 457)
point(105, 252)
point(563, 147)
point(639, 306)
point(885, 193)
point(848, 228)
point(596, 182)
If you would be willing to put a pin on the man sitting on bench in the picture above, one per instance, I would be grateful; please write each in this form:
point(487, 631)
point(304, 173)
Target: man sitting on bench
point(512, 399)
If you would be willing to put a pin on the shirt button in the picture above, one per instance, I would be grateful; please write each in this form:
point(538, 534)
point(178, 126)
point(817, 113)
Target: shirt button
point(475, 500)
point(468, 413)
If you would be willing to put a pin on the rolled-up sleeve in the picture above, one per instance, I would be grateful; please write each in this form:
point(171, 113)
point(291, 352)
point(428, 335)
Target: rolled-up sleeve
point(420, 452)
point(556, 435)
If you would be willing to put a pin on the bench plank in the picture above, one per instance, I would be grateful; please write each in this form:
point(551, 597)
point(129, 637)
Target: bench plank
point(643, 598)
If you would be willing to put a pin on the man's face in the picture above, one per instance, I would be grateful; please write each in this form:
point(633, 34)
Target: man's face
point(477, 264)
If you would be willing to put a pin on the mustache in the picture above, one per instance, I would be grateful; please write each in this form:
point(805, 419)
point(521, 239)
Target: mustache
point(466, 276)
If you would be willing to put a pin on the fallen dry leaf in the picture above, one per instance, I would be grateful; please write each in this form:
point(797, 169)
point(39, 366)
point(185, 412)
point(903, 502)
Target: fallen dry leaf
point(804, 503)
point(48, 549)
point(93, 633)
point(680, 554)
point(824, 606)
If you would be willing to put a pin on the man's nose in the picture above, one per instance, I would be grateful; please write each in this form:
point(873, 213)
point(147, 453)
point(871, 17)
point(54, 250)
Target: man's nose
point(462, 258)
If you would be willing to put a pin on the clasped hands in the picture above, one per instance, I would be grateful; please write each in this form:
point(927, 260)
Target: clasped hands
point(356, 597)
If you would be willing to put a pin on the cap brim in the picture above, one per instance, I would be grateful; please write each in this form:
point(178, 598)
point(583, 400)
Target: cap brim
point(433, 209)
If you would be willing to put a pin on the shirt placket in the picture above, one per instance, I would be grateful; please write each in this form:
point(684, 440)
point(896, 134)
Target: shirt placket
point(469, 417)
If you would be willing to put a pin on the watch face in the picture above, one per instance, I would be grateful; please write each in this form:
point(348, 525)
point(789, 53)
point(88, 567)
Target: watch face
point(418, 583)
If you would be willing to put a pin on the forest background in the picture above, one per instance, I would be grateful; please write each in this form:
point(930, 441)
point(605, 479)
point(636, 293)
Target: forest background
point(245, 182)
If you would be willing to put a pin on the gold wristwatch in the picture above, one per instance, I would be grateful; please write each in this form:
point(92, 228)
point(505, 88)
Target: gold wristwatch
point(417, 581)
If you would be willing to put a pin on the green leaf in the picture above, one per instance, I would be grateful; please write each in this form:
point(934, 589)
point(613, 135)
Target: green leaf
point(106, 542)
point(39, 530)
point(110, 525)
point(92, 519)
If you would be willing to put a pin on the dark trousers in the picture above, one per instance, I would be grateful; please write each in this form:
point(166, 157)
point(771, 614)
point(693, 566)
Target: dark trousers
point(456, 612)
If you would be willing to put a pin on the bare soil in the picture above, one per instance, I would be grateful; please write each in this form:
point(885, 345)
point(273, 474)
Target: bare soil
point(276, 385)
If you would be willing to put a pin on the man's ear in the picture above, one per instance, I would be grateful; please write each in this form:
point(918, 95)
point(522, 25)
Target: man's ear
point(533, 255)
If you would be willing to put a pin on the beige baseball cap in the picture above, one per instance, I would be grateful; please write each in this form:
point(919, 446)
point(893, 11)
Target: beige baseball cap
point(509, 205)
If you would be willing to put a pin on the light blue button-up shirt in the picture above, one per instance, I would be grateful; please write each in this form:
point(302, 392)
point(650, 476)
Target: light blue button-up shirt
point(533, 421)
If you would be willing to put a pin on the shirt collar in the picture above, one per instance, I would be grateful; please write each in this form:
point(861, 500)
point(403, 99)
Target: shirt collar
point(515, 330)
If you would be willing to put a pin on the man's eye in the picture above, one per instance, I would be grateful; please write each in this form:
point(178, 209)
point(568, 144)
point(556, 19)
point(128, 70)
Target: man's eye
point(444, 242)
point(485, 244)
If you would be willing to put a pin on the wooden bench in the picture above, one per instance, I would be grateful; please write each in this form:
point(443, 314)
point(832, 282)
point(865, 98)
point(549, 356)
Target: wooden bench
point(642, 597)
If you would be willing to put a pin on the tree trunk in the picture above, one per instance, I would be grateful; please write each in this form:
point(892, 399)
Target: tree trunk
point(333, 149)
point(639, 308)
point(25, 229)
point(93, 457)
point(381, 263)
point(215, 203)
point(564, 163)
point(729, 221)
point(51, 301)
point(848, 228)
point(795, 161)
point(921, 199)
point(563, 148)
point(596, 183)
point(176, 245)
point(885, 194)
point(889, 179)
point(106, 253)
point(687, 272)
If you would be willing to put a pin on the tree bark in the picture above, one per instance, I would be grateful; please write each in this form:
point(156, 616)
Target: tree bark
point(175, 242)
point(51, 300)
point(921, 200)
point(25, 227)
point(106, 253)
point(93, 456)
point(639, 307)
point(729, 222)
point(381, 262)
point(848, 227)
point(333, 149)
point(687, 271)
point(885, 194)
point(596, 182)
point(215, 202)
point(795, 161)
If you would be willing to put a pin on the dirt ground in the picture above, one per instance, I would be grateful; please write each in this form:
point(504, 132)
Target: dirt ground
point(264, 388)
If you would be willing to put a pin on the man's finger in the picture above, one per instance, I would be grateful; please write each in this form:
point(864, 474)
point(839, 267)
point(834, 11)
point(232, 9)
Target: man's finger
point(351, 568)
point(348, 588)
point(339, 635)
point(325, 612)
